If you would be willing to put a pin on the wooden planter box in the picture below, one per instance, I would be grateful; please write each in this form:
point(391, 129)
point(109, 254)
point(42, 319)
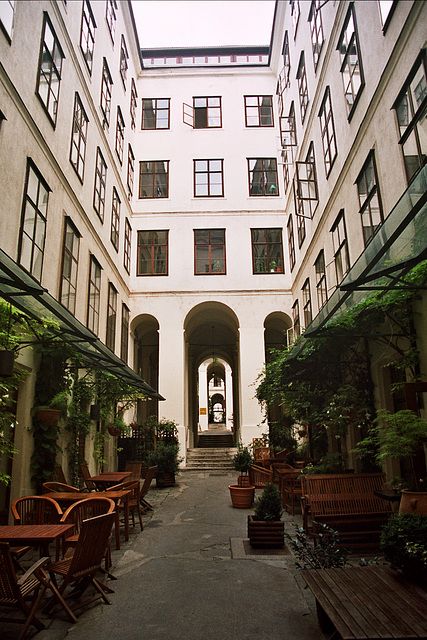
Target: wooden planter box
point(266, 534)
point(165, 479)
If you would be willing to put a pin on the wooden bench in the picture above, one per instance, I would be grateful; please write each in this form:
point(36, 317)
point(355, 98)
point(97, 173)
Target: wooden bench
point(368, 602)
point(346, 503)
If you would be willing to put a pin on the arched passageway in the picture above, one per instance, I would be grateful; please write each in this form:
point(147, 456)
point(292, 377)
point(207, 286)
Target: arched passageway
point(211, 332)
point(145, 330)
point(276, 328)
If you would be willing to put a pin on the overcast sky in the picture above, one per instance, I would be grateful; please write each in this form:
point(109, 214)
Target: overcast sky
point(199, 23)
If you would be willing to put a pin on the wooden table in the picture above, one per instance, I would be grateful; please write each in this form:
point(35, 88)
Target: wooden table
point(110, 478)
point(35, 535)
point(368, 602)
point(67, 498)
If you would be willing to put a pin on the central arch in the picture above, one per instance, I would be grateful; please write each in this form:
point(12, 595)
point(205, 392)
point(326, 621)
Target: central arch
point(211, 334)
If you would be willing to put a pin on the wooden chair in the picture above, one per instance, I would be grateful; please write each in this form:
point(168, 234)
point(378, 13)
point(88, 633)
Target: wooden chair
point(59, 475)
point(59, 486)
point(260, 477)
point(36, 510)
point(79, 570)
point(136, 467)
point(84, 469)
point(15, 591)
point(134, 499)
point(145, 505)
point(82, 510)
point(283, 466)
point(291, 490)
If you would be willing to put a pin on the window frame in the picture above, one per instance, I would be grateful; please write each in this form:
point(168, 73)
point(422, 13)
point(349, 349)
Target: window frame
point(365, 204)
point(306, 299)
point(271, 265)
point(259, 106)
point(7, 31)
point(111, 17)
point(111, 326)
point(295, 15)
point(94, 295)
point(124, 334)
point(73, 261)
point(87, 35)
point(190, 116)
point(340, 246)
point(153, 173)
point(301, 77)
point(124, 61)
point(296, 320)
point(151, 245)
point(133, 105)
point(306, 184)
point(264, 172)
point(40, 218)
point(210, 173)
point(100, 184)
point(344, 50)
point(120, 135)
point(316, 30)
point(130, 173)
point(46, 54)
point(156, 109)
point(211, 261)
point(127, 245)
point(327, 132)
point(106, 91)
point(291, 242)
point(115, 220)
point(79, 137)
point(321, 283)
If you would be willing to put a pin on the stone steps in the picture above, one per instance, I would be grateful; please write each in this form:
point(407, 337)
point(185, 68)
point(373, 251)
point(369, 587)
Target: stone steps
point(215, 440)
point(202, 459)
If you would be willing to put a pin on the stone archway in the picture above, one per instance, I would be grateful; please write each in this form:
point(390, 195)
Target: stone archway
point(211, 331)
point(145, 329)
point(276, 327)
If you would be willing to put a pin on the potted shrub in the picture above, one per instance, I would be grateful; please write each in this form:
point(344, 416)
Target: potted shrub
point(49, 415)
point(242, 462)
point(165, 458)
point(265, 528)
point(403, 542)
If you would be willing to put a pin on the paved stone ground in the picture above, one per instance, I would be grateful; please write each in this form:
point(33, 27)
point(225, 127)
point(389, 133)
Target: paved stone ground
point(190, 575)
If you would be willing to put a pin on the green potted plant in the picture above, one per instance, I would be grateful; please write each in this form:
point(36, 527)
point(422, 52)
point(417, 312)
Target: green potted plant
point(165, 458)
point(265, 528)
point(403, 541)
point(50, 414)
point(242, 462)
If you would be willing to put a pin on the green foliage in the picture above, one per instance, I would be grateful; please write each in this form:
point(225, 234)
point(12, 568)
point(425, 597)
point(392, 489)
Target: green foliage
point(331, 463)
point(167, 430)
point(7, 420)
point(269, 506)
point(242, 460)
point(325, 555)
point(165, 457)
point(404, 543)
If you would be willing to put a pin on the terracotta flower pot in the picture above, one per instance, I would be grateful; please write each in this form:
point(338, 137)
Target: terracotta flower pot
point(48, 417)
point(266, 534)
point(242, 497)
point(413, 502)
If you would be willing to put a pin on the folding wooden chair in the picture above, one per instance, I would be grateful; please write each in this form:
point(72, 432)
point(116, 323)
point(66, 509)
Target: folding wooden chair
point(135, 466)
point(145, 505)
point(36, 510)
point(59, 474)
point(79, 570)
point(15, 591)
point(134, 499)
point(59, 486)
point(91, 486)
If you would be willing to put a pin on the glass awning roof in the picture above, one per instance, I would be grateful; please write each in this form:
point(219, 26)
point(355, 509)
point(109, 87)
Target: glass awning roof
point(399, 244)
point(24, 293)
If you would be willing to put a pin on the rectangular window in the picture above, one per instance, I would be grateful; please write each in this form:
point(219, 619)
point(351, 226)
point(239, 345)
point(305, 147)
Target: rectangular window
point(386, 8)
point(133, 104)
point(327, 130)
point(306, 301)
point(288, 139)
point(7, 9)
point(204, 114)
point(154, 179)
point(300, 230)
point(99, 185)
point(79, 137)
point(33, 222)
point(115, 220)
point(411, 109)
point(305, 186)
point(295, 13)
point(130, 171)
point(124, 334)
point(339, 239)
point(127, 245)
point(111, 17)
point(291, 242)
point(124, 61)
point(259, 111)
point(296, 320)
point(208, 178)
point(302, 86)
point(94, 295)
point(316, 30)
point(263, 177)
point(322, 291)
point(351, 62)
point(50, 66)
point(152, 253)
point(267, 251)
point(70, 259)
point(286, 60)
point(369, 199)
point(155, 113)
point(209, 251)
point(106, 88)
point(111, 317)
point(87, 34)
point(120, 135)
